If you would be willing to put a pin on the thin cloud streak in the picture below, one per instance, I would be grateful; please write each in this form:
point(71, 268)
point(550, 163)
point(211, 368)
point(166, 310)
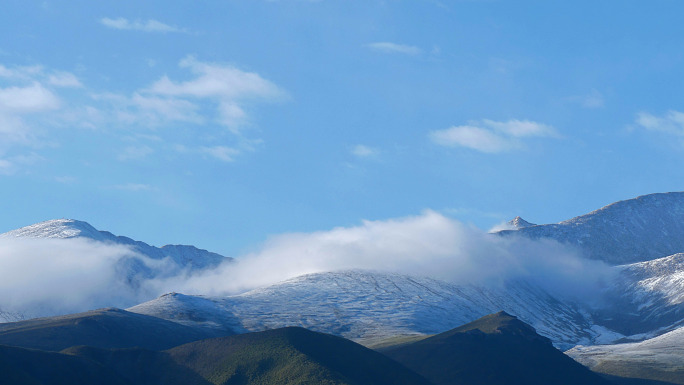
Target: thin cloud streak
point(149, 25)
point(671, 122)
point(388, 47)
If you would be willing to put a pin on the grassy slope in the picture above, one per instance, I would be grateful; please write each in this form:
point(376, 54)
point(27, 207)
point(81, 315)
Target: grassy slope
point(290, 356)
point(104, 328)
point(281, 356)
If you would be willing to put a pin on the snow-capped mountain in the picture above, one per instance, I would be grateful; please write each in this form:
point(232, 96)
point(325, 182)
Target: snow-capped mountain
point(182, 255)
point(634, 230)
point(368, 306)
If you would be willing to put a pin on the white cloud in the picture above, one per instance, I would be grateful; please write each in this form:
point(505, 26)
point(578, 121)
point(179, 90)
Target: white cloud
point(166, 109)
point(66, 179)
point(387, 47)
point(477, 138)
point(132, 187)
point(57, 276)
point(135, 153)
point(593, 100)
point(27, 95)
point(429, 244)
point(216, 94)
point(219, 81)
point(33, 98)
point(21, 72)
point(491, 136)
point(223, 153)
point(362, 151)
point(150, 25)
point(671, 123)
point(64, 79)
point(6, 167)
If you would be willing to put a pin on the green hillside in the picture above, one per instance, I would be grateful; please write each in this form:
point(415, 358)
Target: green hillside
point(281, 356)
point(104, 328)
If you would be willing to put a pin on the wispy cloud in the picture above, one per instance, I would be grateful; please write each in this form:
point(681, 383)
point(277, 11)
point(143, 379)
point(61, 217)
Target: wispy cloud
point(132, 187)
point(149, 25)
point(64, 79)
point(387, 47)
point(490, 136)
point(222, 153)
point(135, 153)
point(593, 100)
point(362, 151)
point(10, 165)
point(16, 104)
point(227, 86)
point(28, 92)
point(671, 123)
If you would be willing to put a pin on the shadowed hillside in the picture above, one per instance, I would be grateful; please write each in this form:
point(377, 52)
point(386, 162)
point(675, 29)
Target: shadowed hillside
point(495, 349)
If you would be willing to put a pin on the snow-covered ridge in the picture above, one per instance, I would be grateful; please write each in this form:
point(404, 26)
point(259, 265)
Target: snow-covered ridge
point(184, 256)
point(367, 306)
point(634, 230)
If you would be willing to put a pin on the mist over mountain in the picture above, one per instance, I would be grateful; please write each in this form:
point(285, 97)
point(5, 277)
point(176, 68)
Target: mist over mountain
point(183, 256)
point(64, 265)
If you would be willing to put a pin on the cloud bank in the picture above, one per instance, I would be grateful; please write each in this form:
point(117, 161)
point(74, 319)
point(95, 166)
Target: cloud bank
point(57, 276)
point(40, 276)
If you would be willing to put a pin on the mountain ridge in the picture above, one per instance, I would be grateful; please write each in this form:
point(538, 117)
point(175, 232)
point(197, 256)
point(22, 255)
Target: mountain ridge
point(632, 230)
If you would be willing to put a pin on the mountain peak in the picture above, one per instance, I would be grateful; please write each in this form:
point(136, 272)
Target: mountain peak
point(56, 228)
point(499, 323)
point(519, 223)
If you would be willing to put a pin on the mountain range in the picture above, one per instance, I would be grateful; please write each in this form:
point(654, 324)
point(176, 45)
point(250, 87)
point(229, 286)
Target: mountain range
point(639, 307)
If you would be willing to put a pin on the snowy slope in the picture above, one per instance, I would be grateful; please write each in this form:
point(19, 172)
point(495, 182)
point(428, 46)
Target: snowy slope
point(634, 230)
point(660, 358)
point(367, 306)
point(183, 256)
point(644, 299)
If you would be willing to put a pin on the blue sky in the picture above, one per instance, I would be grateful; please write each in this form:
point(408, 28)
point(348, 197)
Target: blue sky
point(221, 123)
